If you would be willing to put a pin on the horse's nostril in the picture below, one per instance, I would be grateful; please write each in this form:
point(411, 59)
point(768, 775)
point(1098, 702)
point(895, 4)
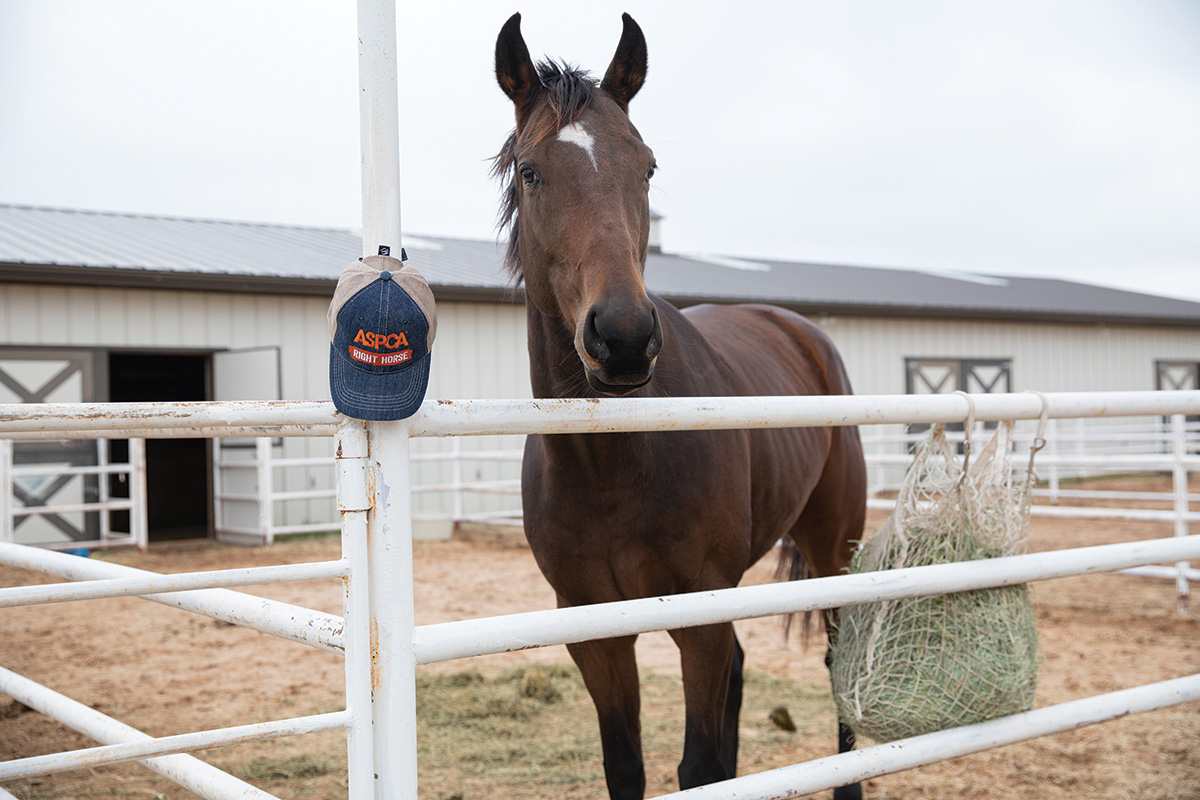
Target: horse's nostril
point(593, 341)
point(656, 337)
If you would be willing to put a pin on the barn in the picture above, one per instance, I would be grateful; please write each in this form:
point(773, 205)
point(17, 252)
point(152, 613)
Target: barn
point(105, 307)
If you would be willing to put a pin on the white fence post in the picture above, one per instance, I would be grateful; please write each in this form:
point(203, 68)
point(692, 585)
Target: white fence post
point(456, 509)
point(139, 522)
point(7, 523)
point(390, 581)
point(266, 502)
point(1052, 450)
point(354, 504)
point(105, 518)
point(218, 487)
point(1179, 476)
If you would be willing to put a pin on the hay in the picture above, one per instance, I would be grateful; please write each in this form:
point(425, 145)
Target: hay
point(906, 667)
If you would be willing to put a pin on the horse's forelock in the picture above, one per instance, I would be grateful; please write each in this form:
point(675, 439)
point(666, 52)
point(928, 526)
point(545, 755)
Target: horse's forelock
point(566, 92)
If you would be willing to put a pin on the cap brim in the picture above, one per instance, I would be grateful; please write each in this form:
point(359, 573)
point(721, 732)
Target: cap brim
point(376, 397)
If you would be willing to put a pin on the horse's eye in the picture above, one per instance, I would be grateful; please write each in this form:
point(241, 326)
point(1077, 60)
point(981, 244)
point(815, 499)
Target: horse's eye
point(650, 172)
point(529, 176)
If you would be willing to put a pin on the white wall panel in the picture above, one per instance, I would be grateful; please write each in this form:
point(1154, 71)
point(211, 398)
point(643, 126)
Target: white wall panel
point(1047, 357)
point(83, 314)
point(20, 314)
point(481, 352)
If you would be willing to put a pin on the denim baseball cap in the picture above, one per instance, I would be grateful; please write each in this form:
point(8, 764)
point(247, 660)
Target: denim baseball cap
point(381, 326)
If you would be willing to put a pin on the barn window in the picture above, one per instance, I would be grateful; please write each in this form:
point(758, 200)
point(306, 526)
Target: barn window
point(1177, 375)
point(45, 375)
point(943, 375)
point(946, 375)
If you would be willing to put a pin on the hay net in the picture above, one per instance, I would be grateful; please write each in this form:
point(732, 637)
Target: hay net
point(906, 667)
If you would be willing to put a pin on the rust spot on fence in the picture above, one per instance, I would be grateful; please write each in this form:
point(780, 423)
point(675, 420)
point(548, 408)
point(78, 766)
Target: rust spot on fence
point(376, 667)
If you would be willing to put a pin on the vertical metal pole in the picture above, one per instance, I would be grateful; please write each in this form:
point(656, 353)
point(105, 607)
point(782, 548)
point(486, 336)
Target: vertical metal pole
point(456, 508)
point(1081, 447)
point(266, 503)
point(393, 656)
point(1179, 476)
point(139, 523)
point(6, 490)
point(1052, 450)
point(218, 487)
point(379, 125)
point(393, 663)
point(354, 503)
point(102, 489)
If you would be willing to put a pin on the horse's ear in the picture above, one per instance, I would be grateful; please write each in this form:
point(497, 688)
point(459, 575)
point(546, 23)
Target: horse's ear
point(514, 67)
point(627, 72)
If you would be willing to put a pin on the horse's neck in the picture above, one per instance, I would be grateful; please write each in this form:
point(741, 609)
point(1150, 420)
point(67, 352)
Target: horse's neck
point(554, 368)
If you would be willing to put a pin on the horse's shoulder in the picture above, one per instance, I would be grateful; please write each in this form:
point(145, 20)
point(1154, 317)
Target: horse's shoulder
point(756, 319)
point(761, 339)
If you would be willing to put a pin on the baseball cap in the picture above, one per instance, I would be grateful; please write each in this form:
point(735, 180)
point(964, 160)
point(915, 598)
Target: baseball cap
point(381, 326)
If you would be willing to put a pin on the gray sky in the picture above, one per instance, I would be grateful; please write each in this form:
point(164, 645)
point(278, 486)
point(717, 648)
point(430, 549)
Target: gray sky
point(1033, 137)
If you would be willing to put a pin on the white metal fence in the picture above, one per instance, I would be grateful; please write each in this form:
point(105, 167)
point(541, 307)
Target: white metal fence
point(132, 473)
point(1073, 453)
point(246, 494)
point(382, 646)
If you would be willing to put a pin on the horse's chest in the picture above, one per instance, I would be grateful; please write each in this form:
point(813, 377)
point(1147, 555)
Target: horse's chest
point(636, 482)
point(603, 525)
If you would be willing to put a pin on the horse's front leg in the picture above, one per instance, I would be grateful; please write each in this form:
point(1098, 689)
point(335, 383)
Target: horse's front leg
point(712, 697)
point(610, 674)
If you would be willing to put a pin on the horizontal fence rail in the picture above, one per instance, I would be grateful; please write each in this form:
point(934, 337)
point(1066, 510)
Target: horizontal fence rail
point(495, 417)
point(450, 640)
point(156, 584)
point(314, 628)
point(187, 771)
point(377, 634)
point(871, 762)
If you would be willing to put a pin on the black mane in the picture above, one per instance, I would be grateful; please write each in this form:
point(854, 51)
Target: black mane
point(566, 90)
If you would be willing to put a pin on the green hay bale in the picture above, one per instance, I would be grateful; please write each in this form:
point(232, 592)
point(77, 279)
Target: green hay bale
point(908, 667)
point(940, 662)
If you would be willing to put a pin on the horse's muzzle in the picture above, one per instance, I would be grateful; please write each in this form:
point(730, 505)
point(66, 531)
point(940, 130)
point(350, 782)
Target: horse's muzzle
point(618, 344)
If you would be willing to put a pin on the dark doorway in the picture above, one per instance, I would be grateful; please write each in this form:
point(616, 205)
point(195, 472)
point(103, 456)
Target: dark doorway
point(177, 470)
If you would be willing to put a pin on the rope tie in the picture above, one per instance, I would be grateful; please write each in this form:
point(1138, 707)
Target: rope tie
point(968, 428)
point(1039, 440)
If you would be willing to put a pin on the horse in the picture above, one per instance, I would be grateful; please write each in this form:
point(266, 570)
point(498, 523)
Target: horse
point(616, 516)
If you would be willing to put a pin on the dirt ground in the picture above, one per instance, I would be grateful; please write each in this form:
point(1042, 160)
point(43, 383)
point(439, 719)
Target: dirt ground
point(166, 671)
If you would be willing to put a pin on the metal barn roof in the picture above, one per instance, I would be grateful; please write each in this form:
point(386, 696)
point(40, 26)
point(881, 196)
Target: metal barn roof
point(44, 245)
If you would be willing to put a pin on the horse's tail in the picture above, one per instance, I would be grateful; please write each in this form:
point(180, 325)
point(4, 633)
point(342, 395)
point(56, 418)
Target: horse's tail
point(793, 566)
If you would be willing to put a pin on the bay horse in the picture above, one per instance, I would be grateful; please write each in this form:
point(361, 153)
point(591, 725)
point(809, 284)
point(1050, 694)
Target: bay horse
point(628, 515)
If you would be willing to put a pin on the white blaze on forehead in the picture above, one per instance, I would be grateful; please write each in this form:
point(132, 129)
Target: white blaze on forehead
point(577, 134)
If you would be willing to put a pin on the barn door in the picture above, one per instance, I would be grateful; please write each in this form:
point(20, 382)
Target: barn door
point(250, 374)
point(44, 375)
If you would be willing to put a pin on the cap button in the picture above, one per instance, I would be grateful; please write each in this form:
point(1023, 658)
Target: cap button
point(385, 275)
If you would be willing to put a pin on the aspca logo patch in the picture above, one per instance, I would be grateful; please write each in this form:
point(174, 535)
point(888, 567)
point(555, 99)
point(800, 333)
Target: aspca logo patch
point(388, 342)
point(381, 341)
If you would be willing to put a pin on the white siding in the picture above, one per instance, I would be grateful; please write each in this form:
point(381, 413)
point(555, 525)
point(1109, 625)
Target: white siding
point(1045, 356)
point(481, 352)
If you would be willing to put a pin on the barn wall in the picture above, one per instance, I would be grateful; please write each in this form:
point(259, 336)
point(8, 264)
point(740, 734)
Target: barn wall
point(1047, 357)
point(481, 352)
